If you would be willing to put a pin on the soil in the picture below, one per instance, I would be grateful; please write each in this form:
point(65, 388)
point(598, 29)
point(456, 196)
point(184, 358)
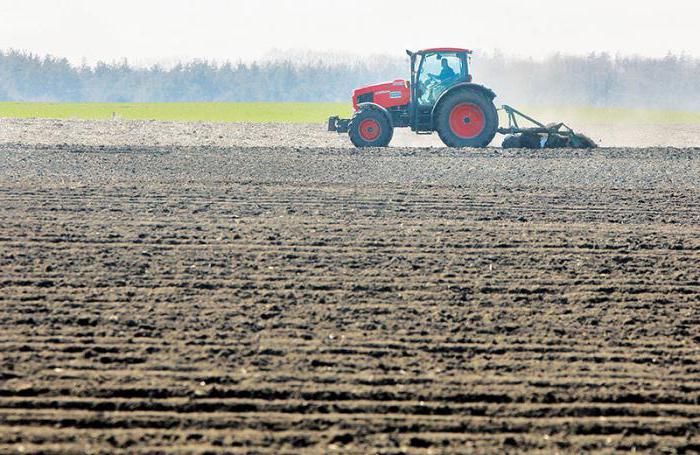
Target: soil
point(109, 132)
point(234, 297)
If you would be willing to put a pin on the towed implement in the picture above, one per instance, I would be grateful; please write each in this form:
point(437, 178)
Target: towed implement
point(540, 136)
point(442, 97)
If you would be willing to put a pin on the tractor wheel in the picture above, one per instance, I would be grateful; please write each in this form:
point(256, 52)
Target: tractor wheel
point(466, 119)
point(370, 128)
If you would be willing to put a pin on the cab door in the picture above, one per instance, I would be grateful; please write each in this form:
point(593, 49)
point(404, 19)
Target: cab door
point(432, 80)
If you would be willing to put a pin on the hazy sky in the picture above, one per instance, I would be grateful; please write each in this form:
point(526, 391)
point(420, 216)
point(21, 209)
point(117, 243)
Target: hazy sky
point(148, 31)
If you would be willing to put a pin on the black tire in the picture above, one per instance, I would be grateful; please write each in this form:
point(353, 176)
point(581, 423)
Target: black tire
point(465, 118)
point(370, 128)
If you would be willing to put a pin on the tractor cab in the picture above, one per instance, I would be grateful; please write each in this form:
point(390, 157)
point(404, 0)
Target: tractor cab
point(437, 71)
point(434, 72)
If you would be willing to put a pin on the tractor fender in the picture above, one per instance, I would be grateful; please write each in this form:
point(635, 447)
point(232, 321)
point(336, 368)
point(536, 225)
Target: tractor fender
point(376, 107)
point(487, 92)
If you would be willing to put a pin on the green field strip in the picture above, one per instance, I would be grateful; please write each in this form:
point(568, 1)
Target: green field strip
point(304, 112)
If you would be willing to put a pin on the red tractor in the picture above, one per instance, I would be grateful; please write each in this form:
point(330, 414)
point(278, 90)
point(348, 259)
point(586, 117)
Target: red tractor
point(442, 97)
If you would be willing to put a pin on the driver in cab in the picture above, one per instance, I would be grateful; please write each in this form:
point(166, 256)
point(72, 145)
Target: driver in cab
point(446, 73)
point(439, 82)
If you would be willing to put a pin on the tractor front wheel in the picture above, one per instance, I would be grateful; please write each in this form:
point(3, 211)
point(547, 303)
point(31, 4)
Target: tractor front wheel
point(466, 118)
point(370, 128)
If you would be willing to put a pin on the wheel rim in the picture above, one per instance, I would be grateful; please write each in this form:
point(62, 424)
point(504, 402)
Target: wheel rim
point(370, 130)
point(467, 120)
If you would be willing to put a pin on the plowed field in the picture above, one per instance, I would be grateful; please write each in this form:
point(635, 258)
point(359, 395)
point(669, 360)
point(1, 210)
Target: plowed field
point(162, 298)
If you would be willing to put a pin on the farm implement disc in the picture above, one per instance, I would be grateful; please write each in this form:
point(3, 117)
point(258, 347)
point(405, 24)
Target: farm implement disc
point(554, 135)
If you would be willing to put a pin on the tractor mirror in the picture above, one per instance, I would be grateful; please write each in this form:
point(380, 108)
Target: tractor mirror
point(409, 53)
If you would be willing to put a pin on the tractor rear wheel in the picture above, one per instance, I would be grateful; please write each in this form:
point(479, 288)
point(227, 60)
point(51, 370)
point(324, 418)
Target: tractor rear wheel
point(466, 118)
point(370, 128)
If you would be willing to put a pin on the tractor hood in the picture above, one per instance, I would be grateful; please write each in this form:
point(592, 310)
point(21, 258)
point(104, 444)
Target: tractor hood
point(387, 94)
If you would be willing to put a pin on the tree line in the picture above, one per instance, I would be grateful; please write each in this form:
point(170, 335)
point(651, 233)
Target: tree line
point(598, 80)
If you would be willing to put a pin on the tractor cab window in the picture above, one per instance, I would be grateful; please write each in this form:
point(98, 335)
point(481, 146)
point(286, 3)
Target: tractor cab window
point(438, 72)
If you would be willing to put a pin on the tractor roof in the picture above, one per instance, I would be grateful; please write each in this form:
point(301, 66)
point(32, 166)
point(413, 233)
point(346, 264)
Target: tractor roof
point(444, 49)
